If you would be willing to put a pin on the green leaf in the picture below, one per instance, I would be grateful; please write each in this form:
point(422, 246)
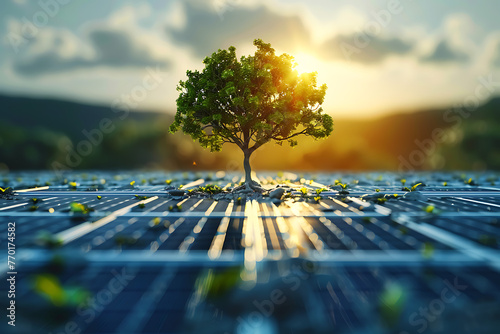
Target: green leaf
point(428, 250)
point(429, 208)
point(415, 186)
point(276, 117)
point(227, 74)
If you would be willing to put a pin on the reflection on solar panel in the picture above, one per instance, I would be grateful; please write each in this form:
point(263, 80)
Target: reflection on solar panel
point(99, 253)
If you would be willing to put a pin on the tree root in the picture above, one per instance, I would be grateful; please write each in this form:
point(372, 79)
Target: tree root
point(249, 187)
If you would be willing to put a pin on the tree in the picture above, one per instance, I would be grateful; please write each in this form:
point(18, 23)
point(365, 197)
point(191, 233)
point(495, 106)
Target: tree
point(249, 102)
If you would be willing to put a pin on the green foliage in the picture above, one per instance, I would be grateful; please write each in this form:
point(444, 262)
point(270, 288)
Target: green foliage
point(392, 302)
point(211, 189)
point(2, 190)
point(488, 240)
point(250, 101)
point(141, 197)
point(217, 284)
point(415, 186)
point(155, 221)
point(429, 208)
point(46, 239)
point(79, 208)
point(479, 137)
point(319, 191)
point(303, 191)
point(470, 182)
point(175, 208)
point(50, 288)
point(428, 250)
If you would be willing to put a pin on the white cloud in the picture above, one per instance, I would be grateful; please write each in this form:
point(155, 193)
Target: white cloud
point(348, 20)
point(129, 15)
point(491, 54)
point(455, 41)
point(107, 58)
point(205, 32)
point(176, 17)
point(463, 33)
point(118, 42)
point(444, 52)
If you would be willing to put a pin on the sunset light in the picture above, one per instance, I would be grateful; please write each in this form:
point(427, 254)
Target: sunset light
point(306, 63)
point(250, 166)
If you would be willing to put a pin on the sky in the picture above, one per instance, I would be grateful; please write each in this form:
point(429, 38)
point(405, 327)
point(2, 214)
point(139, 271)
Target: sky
point(377, 57)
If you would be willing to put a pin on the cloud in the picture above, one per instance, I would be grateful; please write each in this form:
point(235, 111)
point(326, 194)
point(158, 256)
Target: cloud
point(496, 57)
point(59, 50)
point(461, 30)
point(369, 49)
point(454, 42)
point(106, 52)
point(114, 47)
point(51, 51)
point(206, 30)
point(444, 53)
point(492, 50)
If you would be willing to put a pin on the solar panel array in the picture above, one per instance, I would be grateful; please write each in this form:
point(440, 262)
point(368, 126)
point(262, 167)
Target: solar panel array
point(382, 255)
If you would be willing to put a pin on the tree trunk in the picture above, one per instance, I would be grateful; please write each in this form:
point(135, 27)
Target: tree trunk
point(248, 169)
point(250, 185)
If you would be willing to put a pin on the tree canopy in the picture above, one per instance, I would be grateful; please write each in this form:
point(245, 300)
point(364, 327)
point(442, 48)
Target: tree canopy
point(250, 101)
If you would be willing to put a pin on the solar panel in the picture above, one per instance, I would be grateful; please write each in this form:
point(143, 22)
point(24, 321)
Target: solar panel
point(98, 253)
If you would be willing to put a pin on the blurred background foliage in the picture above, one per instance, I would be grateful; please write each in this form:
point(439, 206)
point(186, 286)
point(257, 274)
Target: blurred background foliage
point(35, 133)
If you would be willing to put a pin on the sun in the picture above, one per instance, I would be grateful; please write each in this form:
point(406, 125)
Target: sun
point(306, 63)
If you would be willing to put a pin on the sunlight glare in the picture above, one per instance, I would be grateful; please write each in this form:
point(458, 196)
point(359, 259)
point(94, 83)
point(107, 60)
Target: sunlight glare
point(305, 63)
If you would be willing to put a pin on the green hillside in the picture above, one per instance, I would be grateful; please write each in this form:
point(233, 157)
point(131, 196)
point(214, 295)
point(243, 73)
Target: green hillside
point(36, 133)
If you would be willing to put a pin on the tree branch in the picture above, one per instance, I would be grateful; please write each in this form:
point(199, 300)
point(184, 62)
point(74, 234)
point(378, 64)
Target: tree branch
point(235, 140)
point(291, 136)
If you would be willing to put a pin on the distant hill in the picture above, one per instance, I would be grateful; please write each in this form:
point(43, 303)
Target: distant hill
point(36, 132)
point(61, 116)
point(397, 140)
